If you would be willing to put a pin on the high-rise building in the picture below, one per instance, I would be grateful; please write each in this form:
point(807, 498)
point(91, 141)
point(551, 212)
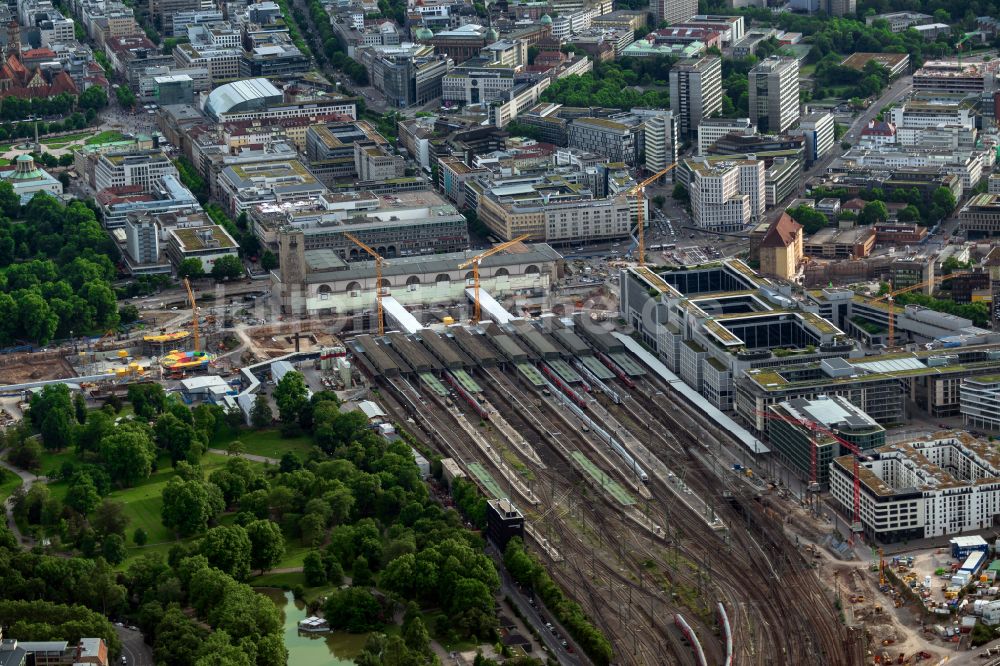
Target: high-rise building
point(727, 196)
point(711, 130)
point(674, 11)
point(817, 129)
point(695, 92)
point(774, 94)
point(660, 131)
point(142, 238)
point(841, 7)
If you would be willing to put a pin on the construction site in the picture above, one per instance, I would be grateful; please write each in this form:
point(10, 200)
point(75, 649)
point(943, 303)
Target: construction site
point(616, 474)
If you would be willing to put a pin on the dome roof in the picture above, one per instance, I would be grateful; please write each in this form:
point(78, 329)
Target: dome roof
point(492, 35)
point(546, 19)
point(423, 33)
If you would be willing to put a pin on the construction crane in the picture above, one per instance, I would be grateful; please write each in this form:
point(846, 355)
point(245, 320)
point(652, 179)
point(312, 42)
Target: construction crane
point(881, 567)
point(892, 293)
point(640, 190)
point(813, 429)
point(474, 262)
point(379, 263)
point(194, 315)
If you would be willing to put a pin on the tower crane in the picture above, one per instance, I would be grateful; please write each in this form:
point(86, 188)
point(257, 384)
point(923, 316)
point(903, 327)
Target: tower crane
point(640, 191)
point(474, 262)
point(194, 316)
point(379, 263)
point(887, 298)
point(814, 429)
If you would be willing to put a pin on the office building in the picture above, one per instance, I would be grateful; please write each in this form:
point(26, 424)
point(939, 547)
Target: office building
point(141, 168)
point(461, 43)
point(375, 162)
point(208, 244)
point(817, 130)
point(503, 522)
point(142, 235)
point(244, 185)
point(673, 11)
point(953, 76)
point(793, 439)
point(618, 141)
point(330, 148)
point(841, 7)
point(774, 94)
point(711, 130)
point(781, 180)
point(168, 196)
point(477, 81)
point(695, 92)
point(980, 402)
point(900, 21)
point(406, 75)
point(980, 216)
point(173, 89)
point(660, 139)
point(780, 250)
point(727, 196)
point(921, 489)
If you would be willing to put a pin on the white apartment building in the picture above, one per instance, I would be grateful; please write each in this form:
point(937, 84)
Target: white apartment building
point(922, 489)
point(966, 164)
point(711, 130)
point(660, 139)
point(727, 196)
point(223, 64)
point(140, 168)
point(774, 94)
point(918, 115)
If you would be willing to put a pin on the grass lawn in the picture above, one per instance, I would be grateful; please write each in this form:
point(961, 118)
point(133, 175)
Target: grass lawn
point(295, 554)
point(8, 483)
point(807, 70)
point(105, 137)
point(282, 580)
point(52, 462)
point(69, 138)
point(268, 443)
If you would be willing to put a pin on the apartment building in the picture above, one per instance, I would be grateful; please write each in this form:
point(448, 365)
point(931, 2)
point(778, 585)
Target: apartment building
point(781, 180)
point(695, 92)
point(980, 402)
point(673, 11)
point(774, 94)
point(127, 169)
point(925, 488)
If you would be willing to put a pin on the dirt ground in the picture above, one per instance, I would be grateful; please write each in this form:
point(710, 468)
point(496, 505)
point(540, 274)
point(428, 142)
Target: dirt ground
point(279, 340)
point(20, 368)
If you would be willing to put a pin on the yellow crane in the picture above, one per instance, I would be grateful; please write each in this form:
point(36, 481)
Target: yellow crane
point(474, 262)
point(892, 293)
point(194, 315)
point(640, 190)
point(379, 262)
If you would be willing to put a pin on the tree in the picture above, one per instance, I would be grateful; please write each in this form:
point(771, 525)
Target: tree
point(267, 544)
point(314, 569)
point(268, 260)
point(188, 506)
point(944, 199)
point(190, 268)
point(109, 518)
point(178, 438)
point(126, 97)
point(235, 448)
point(128, 455)
point(354, 610)
point(291, 395)
point(128, 314)
point(82, 493)
point(261, 415)
point(57, 430)
point(93, 97)
point(80, 408)
point(811, 219)
point(147, 400)
point(140, 537)
point(680, 193)
point(873, 213)
point(908, 214)
point(229, 550)
point(659, 200)
point(113, 549)
point(178, 639)
point(228, 267)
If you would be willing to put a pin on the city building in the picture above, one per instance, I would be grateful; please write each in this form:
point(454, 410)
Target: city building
point(980, 216)
point(966, 164)
point(751, 40)
point(503, 522)
point(673, 11)
point(921, 489)
point(330, 148)
point(877, 133)
point(708, 37)
point(955, 76)
point(207, 244)
point(141, 168)
point(817, 130)
point(476, 81)
point(840, 7)
point(931, 31)
point(319, 283)
point(780, 250)
point(842, 242)
point(406, 76)
point(896, 63)
point(793, 440)
point(27, 179)
point(659, 138)
point(727, 196)
point(914, 115)
point(407, 224)
point(900, 21)
point(258, 99)
point(173, 89)
point(461, 43)
point(774, 94)
point(374, 162)
point(168, 196)
point(16, 80)
point(695, 92)
point(142, 240)
point(646, 48)
point(781, 180)
point(244, 185)
point(181, 21)
point(617, 141)
point(980, 402)
point(900, 234)
point(711, 130)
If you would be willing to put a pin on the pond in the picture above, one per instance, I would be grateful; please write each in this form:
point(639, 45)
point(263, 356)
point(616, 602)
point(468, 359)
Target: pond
point(336, 648)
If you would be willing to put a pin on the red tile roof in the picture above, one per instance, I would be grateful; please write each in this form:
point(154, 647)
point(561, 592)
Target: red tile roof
point(782, 232)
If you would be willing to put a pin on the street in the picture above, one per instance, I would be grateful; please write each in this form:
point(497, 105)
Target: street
point(134, 648)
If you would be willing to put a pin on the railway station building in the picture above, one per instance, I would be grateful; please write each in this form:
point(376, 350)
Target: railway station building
point(945, 484)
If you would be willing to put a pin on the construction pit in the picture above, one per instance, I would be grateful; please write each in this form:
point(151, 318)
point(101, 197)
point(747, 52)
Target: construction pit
point(612, 471)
